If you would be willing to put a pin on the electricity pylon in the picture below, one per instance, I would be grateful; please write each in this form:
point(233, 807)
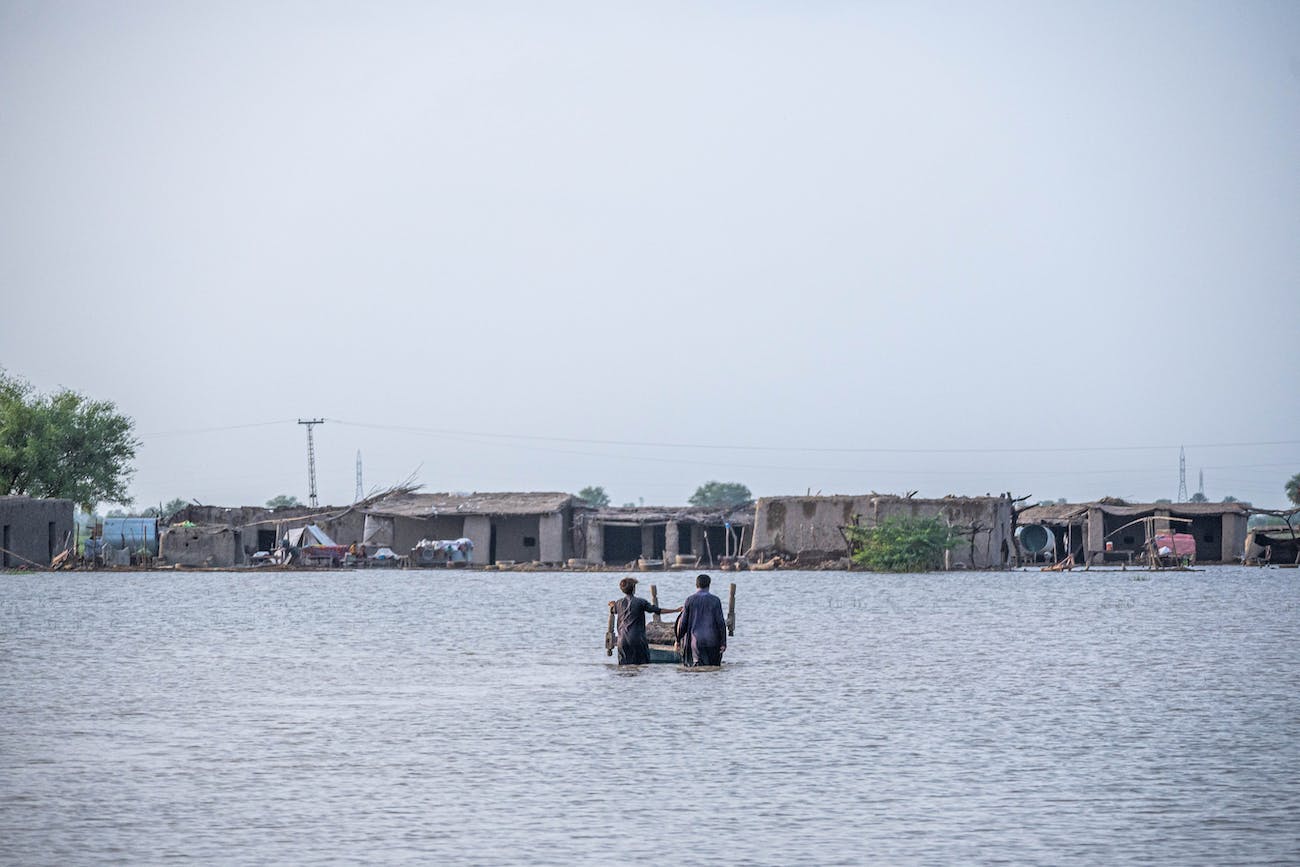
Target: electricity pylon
point(311, 458)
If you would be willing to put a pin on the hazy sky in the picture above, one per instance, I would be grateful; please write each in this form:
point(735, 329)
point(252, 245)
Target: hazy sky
point(953, 247)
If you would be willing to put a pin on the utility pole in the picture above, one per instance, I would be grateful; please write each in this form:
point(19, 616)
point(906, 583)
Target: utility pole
point(1200, 488)
point(357, 498)
point(311, 458)
point(1182, 475)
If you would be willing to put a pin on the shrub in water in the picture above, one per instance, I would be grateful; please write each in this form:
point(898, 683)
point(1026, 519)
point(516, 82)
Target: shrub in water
point(901, 544)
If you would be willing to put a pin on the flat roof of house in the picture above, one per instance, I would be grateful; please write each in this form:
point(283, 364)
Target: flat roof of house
point(743, 515)
point(477, 503)
point(1061, 513)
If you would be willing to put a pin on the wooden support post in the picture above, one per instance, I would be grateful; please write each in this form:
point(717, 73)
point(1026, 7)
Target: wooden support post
point(654, 600)
point(731, 610)
point(609, 633)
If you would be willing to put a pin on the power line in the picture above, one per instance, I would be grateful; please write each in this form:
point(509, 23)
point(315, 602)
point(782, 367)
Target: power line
point(734, 447)
point(203, 430)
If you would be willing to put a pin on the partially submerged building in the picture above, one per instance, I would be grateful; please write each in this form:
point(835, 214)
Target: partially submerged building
point(33, 531)
point(809, 529)
point(211, 545)
point(624, 535)
point(1272, 543)
point(1115, 530)
point(221, 536)
point(502, 527)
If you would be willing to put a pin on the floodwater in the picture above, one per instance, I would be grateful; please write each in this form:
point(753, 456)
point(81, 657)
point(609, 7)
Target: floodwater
point(454, 717)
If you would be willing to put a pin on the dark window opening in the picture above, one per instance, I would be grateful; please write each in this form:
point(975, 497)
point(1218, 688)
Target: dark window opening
point(530, 541)
point(266, 540)
point(1129, 540)
point(51, 538)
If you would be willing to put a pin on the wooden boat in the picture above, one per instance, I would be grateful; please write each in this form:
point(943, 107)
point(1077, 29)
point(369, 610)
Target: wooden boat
point(662, 635)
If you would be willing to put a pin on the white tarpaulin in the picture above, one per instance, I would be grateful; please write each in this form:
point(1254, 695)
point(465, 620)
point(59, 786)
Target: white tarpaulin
point(309, 536)
point(378, 531)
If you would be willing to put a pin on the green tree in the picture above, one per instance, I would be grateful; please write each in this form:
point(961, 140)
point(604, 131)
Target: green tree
point(720, 495)
point(283, 501)
point(1198, 497)
point(901, 544)
point(63, 445)
point(173, 506)
point(595, 495)
point(1163, 500)
point(1293, 489)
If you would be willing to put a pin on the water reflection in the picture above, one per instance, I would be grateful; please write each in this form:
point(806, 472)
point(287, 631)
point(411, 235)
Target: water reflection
point(426, 716)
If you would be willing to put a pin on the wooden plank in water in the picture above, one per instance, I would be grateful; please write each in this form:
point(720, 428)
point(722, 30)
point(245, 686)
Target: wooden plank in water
point(731, 610)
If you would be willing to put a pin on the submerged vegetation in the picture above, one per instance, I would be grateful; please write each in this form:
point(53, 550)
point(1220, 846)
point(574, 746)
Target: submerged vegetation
point(901, 544)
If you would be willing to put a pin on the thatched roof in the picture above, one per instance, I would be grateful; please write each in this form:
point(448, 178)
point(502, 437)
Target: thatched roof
point(1064, 513)
point(412, 505)
point(615, 515)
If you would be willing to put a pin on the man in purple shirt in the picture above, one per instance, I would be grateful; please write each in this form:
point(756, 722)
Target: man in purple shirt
point(702, 630)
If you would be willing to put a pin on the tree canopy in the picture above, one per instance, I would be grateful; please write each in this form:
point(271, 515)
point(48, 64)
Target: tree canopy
point(282, 501)
point(720, 495)
point(63, 445)
point(1198, 497)
point(1293, 489)
point(595, 495)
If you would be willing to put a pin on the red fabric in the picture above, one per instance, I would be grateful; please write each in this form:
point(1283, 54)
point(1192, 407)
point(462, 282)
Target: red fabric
point(1179, 543)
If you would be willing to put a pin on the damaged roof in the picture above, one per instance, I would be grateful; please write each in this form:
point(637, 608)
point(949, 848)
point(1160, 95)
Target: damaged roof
point(742, 515)
point(411, 505)
point(1062, 513)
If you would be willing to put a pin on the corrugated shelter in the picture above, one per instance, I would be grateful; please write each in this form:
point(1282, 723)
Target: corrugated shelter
point(503, 526)
point(135, 534)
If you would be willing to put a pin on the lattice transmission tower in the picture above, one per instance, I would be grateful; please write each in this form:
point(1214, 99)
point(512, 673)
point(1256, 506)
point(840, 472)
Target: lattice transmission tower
point(357, 497)
point(311, 458)
point(1182, 475)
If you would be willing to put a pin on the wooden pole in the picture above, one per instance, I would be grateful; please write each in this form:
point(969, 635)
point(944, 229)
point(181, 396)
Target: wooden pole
point(654, 600)
point(731, 610)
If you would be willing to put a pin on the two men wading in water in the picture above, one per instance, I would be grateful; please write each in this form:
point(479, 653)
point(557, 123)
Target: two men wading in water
point(701, 630)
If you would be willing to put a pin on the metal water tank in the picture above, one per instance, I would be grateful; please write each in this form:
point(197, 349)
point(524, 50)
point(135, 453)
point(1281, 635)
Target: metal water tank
point(1036, 539)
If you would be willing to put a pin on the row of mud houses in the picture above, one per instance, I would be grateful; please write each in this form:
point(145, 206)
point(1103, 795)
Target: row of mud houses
point(557, 529)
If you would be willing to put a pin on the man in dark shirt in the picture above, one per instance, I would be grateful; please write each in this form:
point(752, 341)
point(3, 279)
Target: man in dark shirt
point(633, 648)
point(702, 630)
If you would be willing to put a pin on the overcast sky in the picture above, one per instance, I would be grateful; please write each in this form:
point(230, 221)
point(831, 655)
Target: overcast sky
point(838, 247)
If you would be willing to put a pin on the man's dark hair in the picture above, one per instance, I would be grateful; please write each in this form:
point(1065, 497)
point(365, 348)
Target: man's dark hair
point(703, 582)
point(627, 585)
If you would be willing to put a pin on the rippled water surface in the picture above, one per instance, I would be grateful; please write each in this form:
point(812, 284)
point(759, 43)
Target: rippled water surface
point(387, 716)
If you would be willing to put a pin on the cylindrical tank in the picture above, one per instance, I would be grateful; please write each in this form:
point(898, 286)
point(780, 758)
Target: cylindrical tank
point(1036, 539)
